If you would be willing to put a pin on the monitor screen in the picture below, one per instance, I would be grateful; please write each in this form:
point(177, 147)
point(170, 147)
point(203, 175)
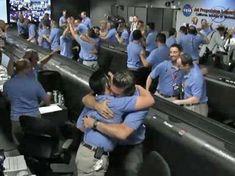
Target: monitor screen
point(31, 9)
point(5, 60)
point(3, 11)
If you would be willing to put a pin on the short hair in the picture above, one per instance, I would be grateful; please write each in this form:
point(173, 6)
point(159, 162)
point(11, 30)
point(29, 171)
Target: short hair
point(21, 65)
point(161, 38)
point(98, 81)
point(29, 54)
point(172, 31)
point(192, 30)
point(179, 47)
point(125, 80)
point(186, 59)
point(79, 18)
point(136, 34)
point(221, 28)
point(151, 25)
point(183, 29)
point(91, 33)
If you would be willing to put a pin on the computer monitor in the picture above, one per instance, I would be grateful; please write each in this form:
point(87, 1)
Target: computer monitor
point(3, 11)
point(5, 60)
point(31, 9)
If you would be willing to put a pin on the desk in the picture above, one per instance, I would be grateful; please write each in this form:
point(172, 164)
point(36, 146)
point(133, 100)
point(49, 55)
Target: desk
point(57, 115)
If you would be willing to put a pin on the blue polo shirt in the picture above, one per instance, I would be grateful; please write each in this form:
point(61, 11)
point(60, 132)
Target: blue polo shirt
point(66, 46)
point(87, 22)
point(21, 28)
point(190, 44)
point(24, 94)
point(81, 28)
point(170, 41)
point(150, 41)
point(62, 20)
point(195, 85)
point(86, 50)
point(135, 120)
point(168, 76)
point(111, 36)
point(125, 37)
point(55, 38)
point(158, 55)
point(45, 44)
point(118, 105)
point(133, 53)
point(32, 31)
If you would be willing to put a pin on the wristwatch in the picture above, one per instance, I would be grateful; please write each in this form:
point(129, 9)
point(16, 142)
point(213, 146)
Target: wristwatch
point(95, 124)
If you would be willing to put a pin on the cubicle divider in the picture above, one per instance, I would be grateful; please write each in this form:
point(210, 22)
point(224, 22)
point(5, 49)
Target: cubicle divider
point(191, 144)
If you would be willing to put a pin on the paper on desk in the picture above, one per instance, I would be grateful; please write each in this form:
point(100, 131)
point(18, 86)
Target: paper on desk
point(14, 164)
point(50, 108)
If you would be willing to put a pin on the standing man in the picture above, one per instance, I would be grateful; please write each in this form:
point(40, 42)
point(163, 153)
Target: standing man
point(194, 84)
point(151, 37)
point(86, 156)
point(191, 42)
point(63, 19)
point(158, 55)
point(134, 50)
point(130, 133)
point(86, 20)
point(169, 76)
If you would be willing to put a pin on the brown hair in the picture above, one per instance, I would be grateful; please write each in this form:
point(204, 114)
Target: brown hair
point(21, 65)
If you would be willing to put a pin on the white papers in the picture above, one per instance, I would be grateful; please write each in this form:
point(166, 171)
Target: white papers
point(48, 109)
point(14, 164)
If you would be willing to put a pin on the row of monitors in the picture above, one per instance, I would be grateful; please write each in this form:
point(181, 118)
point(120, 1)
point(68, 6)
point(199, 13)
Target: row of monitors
point(31, 9)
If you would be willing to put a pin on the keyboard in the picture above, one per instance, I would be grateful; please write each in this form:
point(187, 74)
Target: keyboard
point(14, 164)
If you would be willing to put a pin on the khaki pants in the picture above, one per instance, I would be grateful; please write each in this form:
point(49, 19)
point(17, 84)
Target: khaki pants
point(85, 162)
point(199, 108)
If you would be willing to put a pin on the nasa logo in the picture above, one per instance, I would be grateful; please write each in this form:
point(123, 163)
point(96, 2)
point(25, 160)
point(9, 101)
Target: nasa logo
point(187, 10)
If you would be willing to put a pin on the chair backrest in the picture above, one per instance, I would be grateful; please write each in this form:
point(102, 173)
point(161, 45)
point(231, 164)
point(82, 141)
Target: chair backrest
point(155, 165)
point(41, 137)
point(50, 80)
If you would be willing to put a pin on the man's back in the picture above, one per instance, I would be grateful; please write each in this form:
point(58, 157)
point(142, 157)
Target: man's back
point(24, 94)
point(119, 106)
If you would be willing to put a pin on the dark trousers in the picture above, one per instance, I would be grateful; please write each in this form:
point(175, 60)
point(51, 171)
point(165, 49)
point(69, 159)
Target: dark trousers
point(126, 160)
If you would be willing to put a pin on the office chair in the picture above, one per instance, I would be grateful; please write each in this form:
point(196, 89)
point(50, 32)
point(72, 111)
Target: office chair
point(40, 146)
point(50, 80)
point(155, 165)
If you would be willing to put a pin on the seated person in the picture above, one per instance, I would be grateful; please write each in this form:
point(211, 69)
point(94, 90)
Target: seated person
point(96, 140)
point(24, 94)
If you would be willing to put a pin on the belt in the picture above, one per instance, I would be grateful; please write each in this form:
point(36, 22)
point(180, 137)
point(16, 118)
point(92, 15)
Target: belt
point(166, 96)
point(194, 104)
point(93, 148)
point(93, 60)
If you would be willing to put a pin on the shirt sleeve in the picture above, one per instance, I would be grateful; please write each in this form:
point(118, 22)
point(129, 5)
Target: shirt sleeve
point(41, 93)
point(152, 57)
point(79, 123)
point(157, 70)
point(124, 104)
point(135, 119)
point(111, 33)
point(197, 87)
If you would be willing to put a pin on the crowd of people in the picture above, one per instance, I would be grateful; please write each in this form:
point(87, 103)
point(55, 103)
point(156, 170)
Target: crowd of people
point(115, 109)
